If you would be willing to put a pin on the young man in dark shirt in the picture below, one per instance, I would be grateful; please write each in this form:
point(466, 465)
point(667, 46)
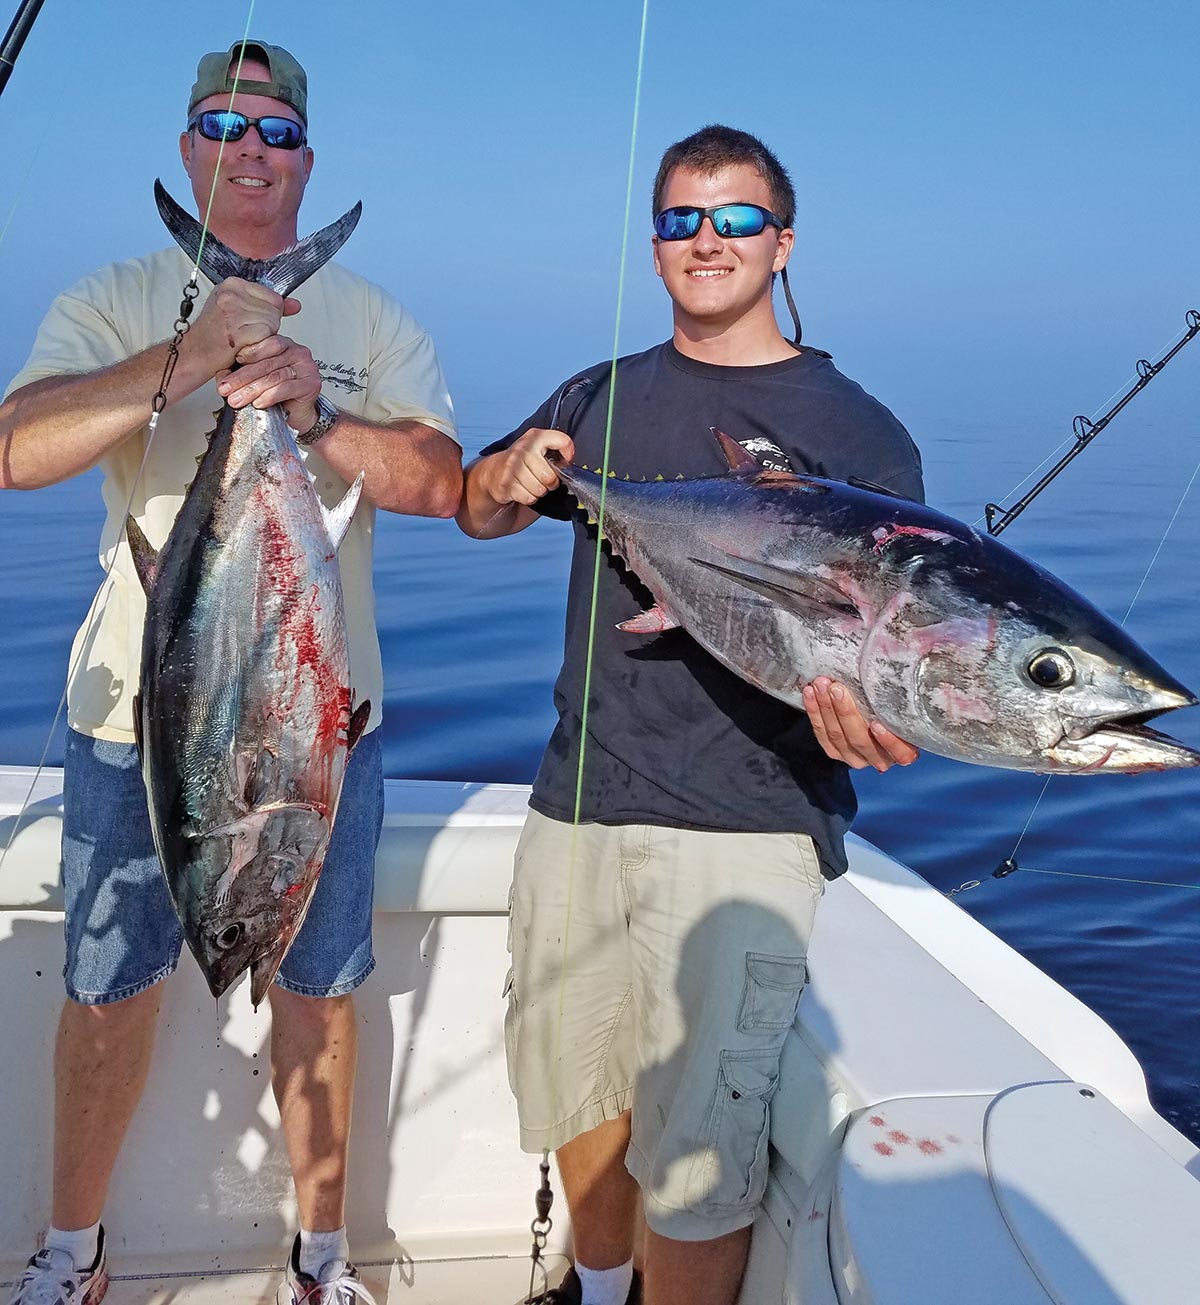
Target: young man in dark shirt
point(644, 1049)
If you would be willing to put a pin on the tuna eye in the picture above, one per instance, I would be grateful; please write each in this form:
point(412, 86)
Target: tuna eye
point(229, 936)
point(1051, 669)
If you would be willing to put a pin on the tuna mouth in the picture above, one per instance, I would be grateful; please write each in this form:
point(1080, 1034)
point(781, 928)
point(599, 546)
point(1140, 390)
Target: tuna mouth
point(1125, 744)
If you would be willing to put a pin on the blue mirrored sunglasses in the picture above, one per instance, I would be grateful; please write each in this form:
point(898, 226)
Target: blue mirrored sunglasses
point(729, 221)
point(228, 124)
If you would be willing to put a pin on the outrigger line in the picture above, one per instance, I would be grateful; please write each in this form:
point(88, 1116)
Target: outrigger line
point(1086, 430)
point(544, 1197)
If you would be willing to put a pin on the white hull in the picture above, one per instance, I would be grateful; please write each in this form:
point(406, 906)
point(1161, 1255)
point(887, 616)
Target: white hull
point(913, 1004)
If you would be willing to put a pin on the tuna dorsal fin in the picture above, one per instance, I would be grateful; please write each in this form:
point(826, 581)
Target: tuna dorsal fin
point(145, 559)
point(283, 273)
point(652, 621)
point(337, 519)
point(801, 593)
point(358, 723)
point(741, 463)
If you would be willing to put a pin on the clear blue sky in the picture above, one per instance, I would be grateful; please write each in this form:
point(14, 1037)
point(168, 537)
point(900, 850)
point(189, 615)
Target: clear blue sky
point(998, 202)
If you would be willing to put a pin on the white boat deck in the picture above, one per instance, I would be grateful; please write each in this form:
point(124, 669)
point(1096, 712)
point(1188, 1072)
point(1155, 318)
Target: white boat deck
point(910, 999)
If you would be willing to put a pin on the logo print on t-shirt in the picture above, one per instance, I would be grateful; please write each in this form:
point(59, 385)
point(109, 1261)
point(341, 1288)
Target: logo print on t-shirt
point(342, 376)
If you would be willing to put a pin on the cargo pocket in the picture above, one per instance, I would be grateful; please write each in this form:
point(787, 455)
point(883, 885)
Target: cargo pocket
point(735, 1176)
point(772, 992)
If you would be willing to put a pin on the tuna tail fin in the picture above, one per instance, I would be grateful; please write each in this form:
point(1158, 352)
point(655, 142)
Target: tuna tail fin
point(145, 559)
point(337, 519)
point(283, 273)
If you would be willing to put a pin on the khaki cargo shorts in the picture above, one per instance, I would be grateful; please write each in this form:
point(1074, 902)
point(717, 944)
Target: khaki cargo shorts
point(667, 986)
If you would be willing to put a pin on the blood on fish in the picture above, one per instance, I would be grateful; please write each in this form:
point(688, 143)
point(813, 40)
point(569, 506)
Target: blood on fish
point(884, 535)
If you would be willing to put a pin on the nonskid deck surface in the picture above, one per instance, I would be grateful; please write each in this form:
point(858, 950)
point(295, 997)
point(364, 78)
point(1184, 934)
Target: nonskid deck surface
point(500, 1279)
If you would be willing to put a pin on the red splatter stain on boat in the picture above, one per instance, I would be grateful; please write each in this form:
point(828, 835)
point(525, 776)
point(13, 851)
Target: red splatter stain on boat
point(884, 1149)
point(927, 1146)
point(899, 1137)
point(877, 1120)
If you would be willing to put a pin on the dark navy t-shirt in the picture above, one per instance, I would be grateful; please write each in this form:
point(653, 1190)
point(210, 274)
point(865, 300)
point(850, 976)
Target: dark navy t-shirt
point(675, 738)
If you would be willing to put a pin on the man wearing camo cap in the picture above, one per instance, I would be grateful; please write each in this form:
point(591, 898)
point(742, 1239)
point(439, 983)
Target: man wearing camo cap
point(361, 385)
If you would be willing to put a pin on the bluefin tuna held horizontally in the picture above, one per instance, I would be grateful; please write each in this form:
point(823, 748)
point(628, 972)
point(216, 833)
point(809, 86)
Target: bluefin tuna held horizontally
point(244, 716)
point(945, 635)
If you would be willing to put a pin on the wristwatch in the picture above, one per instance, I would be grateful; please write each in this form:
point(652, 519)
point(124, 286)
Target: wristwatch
point(327, 416)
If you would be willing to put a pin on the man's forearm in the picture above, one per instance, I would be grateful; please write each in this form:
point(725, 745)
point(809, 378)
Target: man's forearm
point(410, 467)
point(480, 514)
point(58, 427)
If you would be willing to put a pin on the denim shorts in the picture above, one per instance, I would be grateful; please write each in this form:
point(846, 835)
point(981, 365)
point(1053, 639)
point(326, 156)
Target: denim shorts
point(122, 932)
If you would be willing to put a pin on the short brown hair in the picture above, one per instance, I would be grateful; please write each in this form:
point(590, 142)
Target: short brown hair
point(715, 147)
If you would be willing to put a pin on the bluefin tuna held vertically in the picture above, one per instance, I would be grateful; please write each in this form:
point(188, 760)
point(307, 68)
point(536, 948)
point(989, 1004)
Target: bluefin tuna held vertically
point(244, 716)
point(949, 638)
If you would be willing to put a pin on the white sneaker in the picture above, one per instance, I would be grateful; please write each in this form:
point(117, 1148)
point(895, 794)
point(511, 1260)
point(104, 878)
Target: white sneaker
point(337, 1284)
point(51, 1278)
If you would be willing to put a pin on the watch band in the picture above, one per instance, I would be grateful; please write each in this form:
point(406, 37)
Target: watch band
point(327, 416)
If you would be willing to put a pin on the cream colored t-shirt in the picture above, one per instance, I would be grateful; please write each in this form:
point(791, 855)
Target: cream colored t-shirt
point(376, 362)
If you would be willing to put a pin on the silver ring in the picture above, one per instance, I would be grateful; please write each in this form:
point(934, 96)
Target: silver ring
point(292, 370)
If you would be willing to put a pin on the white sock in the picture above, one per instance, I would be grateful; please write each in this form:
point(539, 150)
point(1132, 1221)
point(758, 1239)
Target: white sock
point(81, 1244)
point(318, 1249)
point(605, 1286)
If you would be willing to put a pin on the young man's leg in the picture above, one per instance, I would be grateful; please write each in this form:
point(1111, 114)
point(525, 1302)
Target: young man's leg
point(601, 1194)
point(719, 932)
point(570, 1044)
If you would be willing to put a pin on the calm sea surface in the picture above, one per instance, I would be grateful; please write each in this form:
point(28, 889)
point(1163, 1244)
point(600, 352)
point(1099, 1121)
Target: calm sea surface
point(472, 639)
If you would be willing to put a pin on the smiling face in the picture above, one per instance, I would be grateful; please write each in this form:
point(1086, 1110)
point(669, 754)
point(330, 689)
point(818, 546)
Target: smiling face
point(259, 189)
point(720, 287)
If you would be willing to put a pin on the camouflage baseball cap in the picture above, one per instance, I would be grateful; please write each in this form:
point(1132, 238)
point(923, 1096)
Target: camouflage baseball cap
point(214, 76)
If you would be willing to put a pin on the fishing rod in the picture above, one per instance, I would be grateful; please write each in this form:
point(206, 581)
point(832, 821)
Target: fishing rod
point(14, 38)
point(1086, 430)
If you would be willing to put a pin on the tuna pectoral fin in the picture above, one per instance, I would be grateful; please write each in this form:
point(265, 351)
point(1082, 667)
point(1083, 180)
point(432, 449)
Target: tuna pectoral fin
point(337, 519)
point(803, 594)
point(653, 621)
point(283, 273)
point(145, 559)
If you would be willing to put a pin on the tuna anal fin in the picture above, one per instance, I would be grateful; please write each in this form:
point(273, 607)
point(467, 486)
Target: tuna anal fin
point(337, 519)
point(145, 559)
point(803, 594)
point(652, 621)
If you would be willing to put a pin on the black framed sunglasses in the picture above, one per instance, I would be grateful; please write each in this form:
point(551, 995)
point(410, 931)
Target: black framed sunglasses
point(729, 221)
point(228, 124)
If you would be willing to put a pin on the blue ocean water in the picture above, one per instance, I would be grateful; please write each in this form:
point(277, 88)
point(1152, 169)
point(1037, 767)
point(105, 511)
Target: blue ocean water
point(472, 640)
